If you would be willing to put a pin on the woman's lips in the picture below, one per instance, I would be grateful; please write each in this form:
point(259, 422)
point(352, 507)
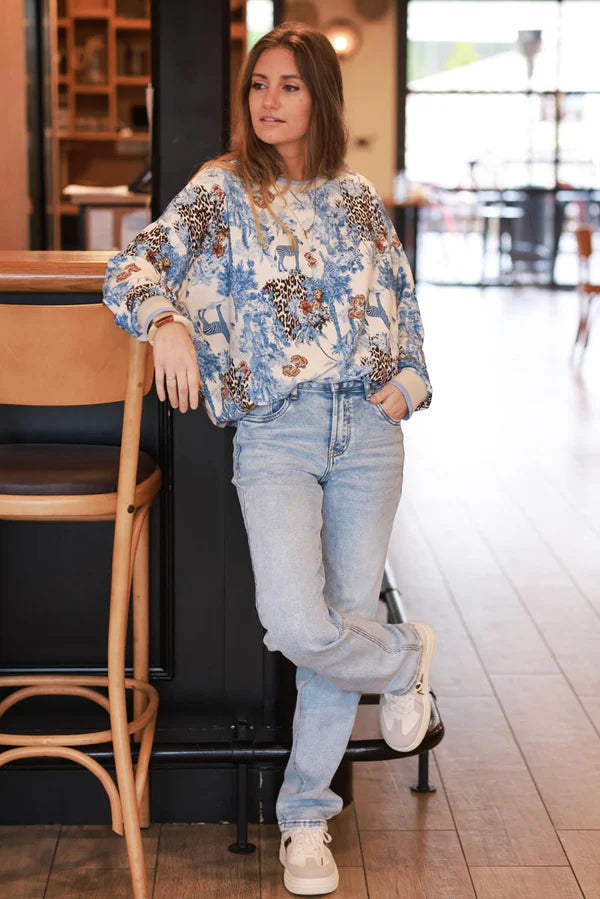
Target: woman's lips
point(272, 121)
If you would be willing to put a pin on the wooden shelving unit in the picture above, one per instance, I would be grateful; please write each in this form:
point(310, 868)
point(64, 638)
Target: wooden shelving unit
point(101, 57)
point(100, 70)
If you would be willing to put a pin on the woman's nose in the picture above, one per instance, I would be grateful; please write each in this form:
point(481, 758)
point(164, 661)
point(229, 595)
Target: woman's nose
point(270, 98)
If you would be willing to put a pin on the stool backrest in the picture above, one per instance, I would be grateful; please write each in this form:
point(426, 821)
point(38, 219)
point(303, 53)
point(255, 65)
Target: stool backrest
point(66, 356)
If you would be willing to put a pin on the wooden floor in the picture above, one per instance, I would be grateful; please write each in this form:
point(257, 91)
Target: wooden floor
point(497, 545)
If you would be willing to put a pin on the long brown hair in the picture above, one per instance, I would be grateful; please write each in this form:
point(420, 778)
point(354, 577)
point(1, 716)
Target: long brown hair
point(259, 164)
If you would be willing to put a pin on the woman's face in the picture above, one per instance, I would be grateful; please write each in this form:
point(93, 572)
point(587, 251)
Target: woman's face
point(279, 102)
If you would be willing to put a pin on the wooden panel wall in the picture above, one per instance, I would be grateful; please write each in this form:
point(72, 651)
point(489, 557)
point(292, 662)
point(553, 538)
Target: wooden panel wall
point(14, 192)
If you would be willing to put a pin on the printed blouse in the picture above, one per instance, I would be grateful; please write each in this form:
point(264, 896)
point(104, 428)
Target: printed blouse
point(264, 316)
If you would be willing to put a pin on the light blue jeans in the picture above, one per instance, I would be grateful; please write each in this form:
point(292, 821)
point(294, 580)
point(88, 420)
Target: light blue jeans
point(319, 477)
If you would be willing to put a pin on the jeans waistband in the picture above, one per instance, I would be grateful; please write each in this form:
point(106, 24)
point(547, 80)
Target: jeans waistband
point(363, 386)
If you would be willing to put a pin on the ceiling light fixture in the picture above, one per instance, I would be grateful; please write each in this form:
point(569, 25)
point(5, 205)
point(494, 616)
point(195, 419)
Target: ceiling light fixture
point(344, 37)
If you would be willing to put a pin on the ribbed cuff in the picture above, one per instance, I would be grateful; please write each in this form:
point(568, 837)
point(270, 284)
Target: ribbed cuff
point(407, 397)
point(408, 380)
point(153, 315)
point(150, 308)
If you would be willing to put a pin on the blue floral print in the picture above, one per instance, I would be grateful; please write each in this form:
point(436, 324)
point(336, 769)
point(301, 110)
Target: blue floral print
point(266, 315)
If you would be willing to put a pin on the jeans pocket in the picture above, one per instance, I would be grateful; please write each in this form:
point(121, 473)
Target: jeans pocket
point(396, 422)
point(267, 411)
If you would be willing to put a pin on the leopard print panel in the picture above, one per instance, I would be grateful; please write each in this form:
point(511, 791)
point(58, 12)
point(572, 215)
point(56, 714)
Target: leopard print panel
point(282, 291)
point(194, 220)
point(153, 239)
point(383, 366)
point(235, 385)
point(138, 295)
point(198, 215)
point(364, 214)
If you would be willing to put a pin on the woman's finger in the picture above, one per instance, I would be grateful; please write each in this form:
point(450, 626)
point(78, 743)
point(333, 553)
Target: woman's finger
point(194, 387)
point(171, 382)
point(159, 380)
point(183, 390)
point(395, 405)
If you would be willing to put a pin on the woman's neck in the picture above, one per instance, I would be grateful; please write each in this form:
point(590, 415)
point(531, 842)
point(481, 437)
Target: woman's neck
point(293, 166)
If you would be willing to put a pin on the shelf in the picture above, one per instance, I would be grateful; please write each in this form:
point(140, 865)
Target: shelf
point(141, 80)
point(90, 117)
point(139, 136)
point(131, 24)
point(89, 135)
point(91, 88)
point(92, 14)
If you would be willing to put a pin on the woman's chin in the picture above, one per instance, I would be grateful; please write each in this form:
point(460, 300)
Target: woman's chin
point(269, 136)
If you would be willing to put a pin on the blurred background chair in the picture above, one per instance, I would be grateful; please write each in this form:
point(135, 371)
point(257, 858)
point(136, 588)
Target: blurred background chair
point(74, 355)
point(585, 288)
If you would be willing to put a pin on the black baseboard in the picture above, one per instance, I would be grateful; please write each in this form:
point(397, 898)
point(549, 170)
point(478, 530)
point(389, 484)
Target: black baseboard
point(62, 794)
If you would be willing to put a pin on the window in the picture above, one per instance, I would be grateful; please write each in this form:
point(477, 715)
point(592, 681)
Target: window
point(505, 96)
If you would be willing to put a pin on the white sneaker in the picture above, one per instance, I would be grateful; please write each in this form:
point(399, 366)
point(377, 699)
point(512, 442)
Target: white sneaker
point(404, 718)
point(310, 868)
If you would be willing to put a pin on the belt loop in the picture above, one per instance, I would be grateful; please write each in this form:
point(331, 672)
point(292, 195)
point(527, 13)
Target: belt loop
point(294, 392)
point(367, 385)
point(334, 387)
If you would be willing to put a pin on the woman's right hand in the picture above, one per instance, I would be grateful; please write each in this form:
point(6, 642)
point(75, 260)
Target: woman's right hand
point(176, 367)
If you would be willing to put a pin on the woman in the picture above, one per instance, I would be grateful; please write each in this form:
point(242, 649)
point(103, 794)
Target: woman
point(275, 286)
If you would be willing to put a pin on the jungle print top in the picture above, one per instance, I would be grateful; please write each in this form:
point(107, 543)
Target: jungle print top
point(266, 317)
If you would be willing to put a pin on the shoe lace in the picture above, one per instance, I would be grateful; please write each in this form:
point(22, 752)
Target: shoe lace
point(404, 703)
point(310, 840)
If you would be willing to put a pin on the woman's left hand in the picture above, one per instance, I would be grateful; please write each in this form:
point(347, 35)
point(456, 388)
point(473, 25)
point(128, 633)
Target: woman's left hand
point(392, 401)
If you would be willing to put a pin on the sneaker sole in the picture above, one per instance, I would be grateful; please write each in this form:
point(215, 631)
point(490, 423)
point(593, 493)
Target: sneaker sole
point(429, 644)
point(312, 886)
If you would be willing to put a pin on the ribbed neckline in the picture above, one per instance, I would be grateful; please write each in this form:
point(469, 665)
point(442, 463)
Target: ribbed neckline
point(315, 182)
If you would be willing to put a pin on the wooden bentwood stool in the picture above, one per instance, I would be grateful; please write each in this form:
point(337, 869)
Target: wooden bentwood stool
point(75, 355)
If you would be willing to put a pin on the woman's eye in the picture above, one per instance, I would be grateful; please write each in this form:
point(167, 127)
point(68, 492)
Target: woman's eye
point(258, 85)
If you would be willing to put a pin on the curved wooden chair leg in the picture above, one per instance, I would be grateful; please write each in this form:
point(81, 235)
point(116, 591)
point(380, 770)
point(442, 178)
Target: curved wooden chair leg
point(141, 636)
point(117, 635)
point(126, 783)
point(74, 755)
point(143, 763)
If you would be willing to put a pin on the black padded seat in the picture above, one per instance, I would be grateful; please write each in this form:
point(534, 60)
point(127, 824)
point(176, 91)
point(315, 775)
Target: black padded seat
point(55, 469)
